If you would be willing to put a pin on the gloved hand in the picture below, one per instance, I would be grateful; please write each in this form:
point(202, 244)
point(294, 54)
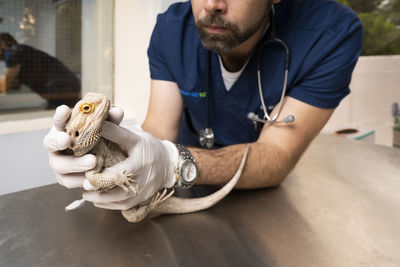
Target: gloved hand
point(69, 170)
point(151, 160)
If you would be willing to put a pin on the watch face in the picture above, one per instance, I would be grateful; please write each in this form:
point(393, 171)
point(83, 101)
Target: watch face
point(189, 171)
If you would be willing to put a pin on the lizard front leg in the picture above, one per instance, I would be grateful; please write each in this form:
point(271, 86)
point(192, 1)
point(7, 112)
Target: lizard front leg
point(107, 181)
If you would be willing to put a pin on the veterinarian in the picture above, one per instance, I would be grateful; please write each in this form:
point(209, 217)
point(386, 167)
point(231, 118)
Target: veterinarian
point(225, 73)
point(42, 73)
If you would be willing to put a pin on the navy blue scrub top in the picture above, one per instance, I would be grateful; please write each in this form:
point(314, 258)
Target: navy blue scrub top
point(324, 38)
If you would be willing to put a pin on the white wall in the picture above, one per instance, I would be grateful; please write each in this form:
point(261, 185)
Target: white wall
point(134, 22)
point(375, 86)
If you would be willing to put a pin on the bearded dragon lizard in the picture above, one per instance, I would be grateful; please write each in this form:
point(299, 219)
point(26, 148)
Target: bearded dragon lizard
point(84, 128)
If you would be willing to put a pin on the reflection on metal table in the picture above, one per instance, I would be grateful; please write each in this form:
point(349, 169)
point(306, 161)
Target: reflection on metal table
point(339, 207)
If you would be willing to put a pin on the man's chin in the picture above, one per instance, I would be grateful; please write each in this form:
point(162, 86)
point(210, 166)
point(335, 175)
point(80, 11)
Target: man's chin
point(218, 45)
point(215, 48)
point(218, 42)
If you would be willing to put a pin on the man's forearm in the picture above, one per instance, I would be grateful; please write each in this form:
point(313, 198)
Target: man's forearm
point(266, 165)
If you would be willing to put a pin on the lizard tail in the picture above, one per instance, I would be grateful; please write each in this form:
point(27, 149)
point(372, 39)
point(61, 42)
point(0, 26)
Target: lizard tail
point(176, 205)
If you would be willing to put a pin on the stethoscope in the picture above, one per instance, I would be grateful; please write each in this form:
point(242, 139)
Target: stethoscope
point(206, 136)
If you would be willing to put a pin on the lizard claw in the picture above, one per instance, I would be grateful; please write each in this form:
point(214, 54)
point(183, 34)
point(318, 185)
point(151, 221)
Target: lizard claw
point(158, 198)
point(128, 183)
point(134, 188)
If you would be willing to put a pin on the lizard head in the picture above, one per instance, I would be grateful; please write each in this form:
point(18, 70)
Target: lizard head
point(84, 125)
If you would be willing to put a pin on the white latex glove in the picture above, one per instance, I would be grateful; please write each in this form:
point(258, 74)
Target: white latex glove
point(69, 170)
point(151, 160)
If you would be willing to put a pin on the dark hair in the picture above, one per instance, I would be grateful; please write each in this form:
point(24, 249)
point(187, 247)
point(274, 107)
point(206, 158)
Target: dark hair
point(7, 38)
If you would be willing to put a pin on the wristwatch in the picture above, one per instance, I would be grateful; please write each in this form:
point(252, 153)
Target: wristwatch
point(185, 170)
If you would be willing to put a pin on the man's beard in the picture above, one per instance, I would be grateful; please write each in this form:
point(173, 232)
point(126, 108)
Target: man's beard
point(2, 54)
point(230, 39)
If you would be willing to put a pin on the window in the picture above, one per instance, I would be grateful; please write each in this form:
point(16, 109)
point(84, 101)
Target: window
point(53, 51)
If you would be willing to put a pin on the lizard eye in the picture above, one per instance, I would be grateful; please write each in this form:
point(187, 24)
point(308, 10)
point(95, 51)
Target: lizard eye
point(86, 108)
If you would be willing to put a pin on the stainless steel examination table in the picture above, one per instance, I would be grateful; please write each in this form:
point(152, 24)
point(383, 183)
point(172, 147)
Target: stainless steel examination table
point(339, 207)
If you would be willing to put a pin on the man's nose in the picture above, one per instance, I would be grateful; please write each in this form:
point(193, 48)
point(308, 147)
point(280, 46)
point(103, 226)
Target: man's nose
point(215, 7)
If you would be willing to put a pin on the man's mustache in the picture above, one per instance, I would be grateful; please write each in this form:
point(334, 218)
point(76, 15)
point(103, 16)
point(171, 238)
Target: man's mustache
point(215, 20)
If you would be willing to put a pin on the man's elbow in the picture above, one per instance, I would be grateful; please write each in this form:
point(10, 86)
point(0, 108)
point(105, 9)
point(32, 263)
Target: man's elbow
point(275, 175)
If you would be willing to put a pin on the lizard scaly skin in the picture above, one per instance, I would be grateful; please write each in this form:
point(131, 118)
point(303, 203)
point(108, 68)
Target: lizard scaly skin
point(84, 127)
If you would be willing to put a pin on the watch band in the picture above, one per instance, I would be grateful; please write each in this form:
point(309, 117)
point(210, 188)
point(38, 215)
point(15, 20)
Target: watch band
point(185, 158)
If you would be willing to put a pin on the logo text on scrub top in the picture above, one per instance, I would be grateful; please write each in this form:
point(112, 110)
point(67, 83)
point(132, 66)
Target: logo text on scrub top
point(193, 94)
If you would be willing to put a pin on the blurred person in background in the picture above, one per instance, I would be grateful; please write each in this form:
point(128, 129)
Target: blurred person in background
point(42, 73)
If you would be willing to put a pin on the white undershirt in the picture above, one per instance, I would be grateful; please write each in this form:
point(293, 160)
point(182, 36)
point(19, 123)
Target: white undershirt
point(230, 78)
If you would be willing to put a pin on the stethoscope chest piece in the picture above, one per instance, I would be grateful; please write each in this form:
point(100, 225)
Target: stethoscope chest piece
point(206, 137)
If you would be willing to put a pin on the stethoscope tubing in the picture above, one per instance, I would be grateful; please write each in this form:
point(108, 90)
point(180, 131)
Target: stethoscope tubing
point(267, 118)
